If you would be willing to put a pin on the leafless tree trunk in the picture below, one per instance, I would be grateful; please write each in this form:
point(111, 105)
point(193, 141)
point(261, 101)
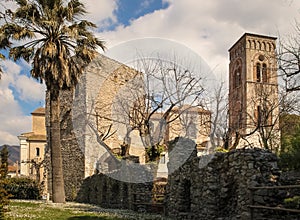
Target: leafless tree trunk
point(219, 110)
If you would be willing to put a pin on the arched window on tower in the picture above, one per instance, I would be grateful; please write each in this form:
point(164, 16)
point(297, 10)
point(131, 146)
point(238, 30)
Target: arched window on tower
point(261, 70)
point(258, 72)
point(261, 73)
point(237, 77)
point(264, 73)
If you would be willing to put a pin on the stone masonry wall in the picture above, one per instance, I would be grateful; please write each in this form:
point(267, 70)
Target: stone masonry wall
point(108, 192)
point(217, 187)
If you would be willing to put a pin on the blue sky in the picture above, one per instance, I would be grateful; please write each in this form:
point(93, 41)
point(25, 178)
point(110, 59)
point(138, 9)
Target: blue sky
point(129, 10)
point(207, 27)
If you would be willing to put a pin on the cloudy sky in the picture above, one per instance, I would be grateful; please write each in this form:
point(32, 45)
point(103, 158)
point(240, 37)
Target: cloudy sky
point(208, 27)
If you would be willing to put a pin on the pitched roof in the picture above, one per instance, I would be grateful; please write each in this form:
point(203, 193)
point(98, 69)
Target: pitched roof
point(34, 137)
point(39, 111)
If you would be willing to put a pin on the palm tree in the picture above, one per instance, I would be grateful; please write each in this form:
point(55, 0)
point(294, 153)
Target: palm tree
point(51, 35)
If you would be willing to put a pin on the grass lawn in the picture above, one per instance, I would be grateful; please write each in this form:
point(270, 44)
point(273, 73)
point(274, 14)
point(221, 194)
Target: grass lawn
point(20, 209)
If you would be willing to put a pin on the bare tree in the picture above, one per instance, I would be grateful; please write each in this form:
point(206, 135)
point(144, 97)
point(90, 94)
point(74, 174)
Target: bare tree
point(289, 60)
point(266, 116)
point(262, 117)
point(158, 95)
point(36, 165)
point(218, 105)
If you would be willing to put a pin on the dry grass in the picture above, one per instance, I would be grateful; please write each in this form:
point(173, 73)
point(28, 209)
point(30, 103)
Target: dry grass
point(21, 209)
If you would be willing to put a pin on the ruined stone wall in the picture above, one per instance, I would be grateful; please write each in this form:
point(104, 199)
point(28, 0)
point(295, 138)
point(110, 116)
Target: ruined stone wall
point(217, 187)
point(108, 192)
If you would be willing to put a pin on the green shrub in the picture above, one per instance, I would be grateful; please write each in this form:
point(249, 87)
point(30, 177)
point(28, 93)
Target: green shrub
point(22, 188)
point(4, 196)
point(221, 149)
point(292, 203)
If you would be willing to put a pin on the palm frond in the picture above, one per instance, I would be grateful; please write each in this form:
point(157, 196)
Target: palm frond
point(21, 3)
point(21, 52)
point(58, 43)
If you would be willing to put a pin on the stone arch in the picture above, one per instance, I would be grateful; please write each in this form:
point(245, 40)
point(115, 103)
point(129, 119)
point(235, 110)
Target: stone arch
point(104, 192)
point(258, 45)
point(253, 46)
point(263, 46)
point(267, 47)
point(248, 44)
point(273, 46)
point(263, 68)
point(236, 73)
point(115, 192)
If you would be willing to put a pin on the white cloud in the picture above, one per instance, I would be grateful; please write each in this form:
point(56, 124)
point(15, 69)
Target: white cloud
point(29, 89)
point(207, 27)
point(13, 121)
point(12, 117)
point(101, 12)
point(8, 138)
point(210, 27)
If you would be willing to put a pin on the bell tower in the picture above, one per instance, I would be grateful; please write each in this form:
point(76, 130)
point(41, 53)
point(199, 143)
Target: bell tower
point(253, 93)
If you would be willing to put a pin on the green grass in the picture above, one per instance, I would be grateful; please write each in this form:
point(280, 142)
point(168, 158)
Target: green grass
point(69, 211)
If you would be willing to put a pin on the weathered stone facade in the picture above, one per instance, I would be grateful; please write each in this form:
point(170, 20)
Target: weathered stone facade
point(253, 92)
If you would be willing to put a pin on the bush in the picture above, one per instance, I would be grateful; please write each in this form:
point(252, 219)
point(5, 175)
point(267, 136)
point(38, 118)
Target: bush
point(22, 188)
point(292, 203)
point(221, 149)
point(4, 196)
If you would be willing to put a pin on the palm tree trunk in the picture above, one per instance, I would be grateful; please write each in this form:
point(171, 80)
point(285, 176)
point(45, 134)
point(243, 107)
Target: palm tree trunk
point(58, 191)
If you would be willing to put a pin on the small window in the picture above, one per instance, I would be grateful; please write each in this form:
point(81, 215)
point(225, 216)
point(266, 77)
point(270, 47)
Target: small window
point(237, 78)
point(258, 72)
point(37, 150)
point(264, 73)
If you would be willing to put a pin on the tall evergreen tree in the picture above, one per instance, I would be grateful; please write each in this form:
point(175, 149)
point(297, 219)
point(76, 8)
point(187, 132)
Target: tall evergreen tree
point(51, 35)
point(4, 162)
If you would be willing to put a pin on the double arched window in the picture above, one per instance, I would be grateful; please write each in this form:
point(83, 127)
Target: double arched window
point(261, 73)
